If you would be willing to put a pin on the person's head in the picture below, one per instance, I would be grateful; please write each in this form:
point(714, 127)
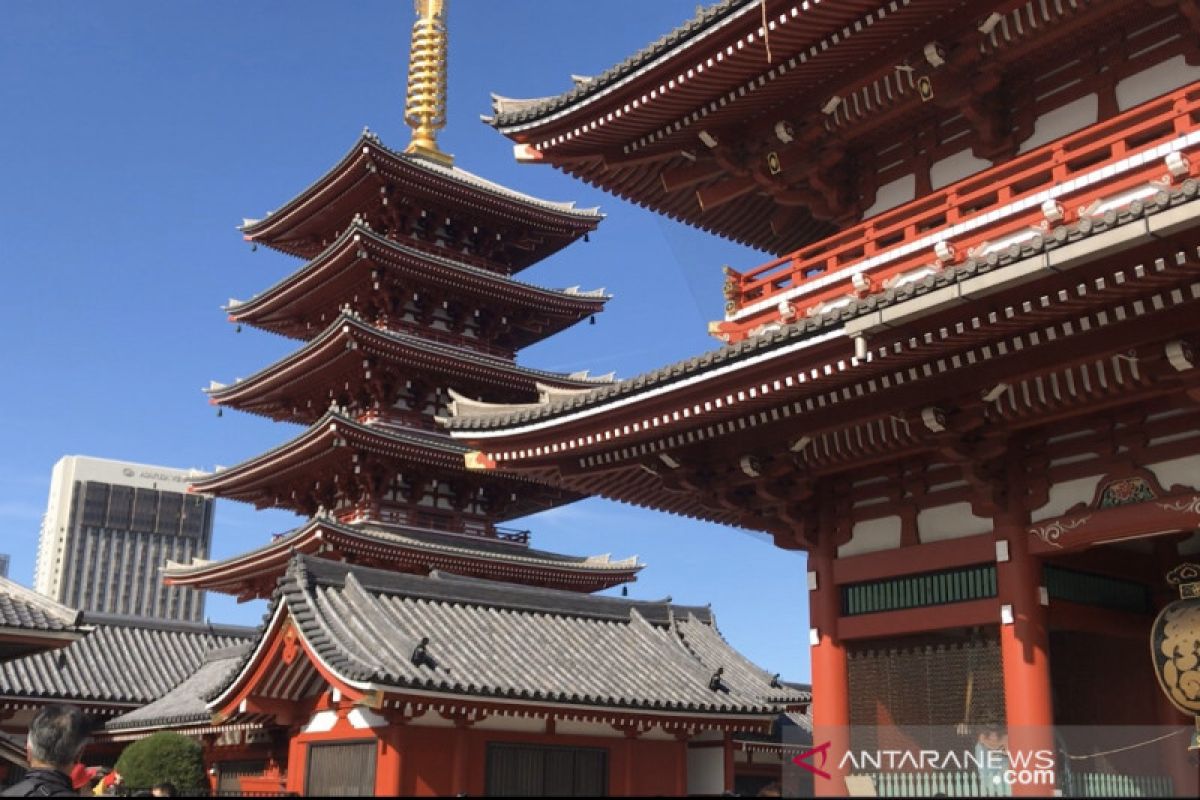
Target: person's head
point(56, 738)
point(163, 789)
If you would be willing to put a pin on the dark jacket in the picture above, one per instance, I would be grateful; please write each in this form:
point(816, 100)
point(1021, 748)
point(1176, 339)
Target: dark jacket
point(42, 783)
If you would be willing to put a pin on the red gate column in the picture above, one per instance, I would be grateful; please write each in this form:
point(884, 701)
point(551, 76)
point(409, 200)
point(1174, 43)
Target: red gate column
point(1024, 652)
point(830, 673)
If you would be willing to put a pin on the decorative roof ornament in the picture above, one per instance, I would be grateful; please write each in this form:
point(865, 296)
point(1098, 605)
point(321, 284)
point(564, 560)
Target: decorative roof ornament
point(425, 105)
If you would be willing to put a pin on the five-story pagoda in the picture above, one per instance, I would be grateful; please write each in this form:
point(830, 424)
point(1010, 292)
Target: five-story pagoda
point(405, 306)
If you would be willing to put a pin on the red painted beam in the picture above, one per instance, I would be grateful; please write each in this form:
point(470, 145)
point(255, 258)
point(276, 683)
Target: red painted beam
point(1079, 531)
point(920, 620)
point(919, 558)
point(1067, 616)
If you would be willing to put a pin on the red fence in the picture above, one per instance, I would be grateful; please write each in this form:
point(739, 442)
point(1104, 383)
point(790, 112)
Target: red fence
point(1048, 186)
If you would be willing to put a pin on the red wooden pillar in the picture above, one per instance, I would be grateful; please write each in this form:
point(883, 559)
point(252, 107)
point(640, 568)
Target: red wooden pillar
point(830, 672)
point(389, 776)
point(458, 784)
point(1025, 656)
point(681, 766)
point(729, 765)
point(625, 785)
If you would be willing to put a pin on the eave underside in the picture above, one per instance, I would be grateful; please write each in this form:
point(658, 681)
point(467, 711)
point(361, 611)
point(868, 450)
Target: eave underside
point(1036, 60)
point(1070, 353)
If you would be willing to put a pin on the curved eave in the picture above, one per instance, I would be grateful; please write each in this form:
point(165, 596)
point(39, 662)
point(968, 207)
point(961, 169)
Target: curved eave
point(359, 248)
point(667, 54)
point(320, 442)
point(369, 159)
point(272, 560)
point(349, 339)
point(714, 59)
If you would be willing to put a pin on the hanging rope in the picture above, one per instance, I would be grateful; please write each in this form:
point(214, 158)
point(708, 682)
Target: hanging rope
point(766, 37)
point(1127, 747)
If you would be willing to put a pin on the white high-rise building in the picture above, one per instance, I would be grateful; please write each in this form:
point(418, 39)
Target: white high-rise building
point(109, 529)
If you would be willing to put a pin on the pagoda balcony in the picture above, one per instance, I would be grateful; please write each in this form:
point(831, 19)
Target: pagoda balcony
point(419, 519)
point(1106, 168)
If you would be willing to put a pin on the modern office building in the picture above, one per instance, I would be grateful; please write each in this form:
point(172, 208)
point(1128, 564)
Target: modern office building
point(110, 528)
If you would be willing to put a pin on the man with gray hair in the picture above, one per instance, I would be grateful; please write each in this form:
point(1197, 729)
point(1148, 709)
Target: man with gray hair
point(56, 739)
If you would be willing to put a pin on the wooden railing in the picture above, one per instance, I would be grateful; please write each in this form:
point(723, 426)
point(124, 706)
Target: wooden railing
point(1041, 189)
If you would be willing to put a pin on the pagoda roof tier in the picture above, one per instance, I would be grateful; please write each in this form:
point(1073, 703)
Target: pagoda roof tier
point(409, 640)
point(352, 356)
point(777, 138)
point(361, 266)
point(338, 457)
point(513, 230)
point(983, 339)
point(254, 574)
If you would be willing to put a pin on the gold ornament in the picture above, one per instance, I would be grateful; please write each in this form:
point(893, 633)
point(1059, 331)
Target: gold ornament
point(1175, 646)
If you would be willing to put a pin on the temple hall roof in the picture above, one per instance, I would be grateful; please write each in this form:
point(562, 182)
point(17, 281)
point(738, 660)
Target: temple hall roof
point(781, 339)
point(24, 609)
point(384, 631)
point(186, 704)
point(122, 661)
point(510, 111)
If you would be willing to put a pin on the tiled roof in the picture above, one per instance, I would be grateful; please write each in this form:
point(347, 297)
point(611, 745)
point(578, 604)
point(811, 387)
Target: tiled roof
point(498, 640)
point(461, 545)
point(447, 262)
point(831, 321)
point(121, 661)
point(26, 609)
point(418, 164)
point(186, 703)
point(346, 321)
point(512, 112)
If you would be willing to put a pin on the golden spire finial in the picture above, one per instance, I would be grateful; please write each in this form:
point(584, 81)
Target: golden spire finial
point(425, 105)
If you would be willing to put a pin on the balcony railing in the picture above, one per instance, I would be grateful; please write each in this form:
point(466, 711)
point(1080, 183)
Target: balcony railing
point(1100, 169)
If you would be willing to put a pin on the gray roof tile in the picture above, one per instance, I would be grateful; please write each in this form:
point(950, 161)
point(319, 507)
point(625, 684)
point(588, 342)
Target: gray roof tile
point(26, 609)
point(185, 704)
point(492, 639)
point(122, 661)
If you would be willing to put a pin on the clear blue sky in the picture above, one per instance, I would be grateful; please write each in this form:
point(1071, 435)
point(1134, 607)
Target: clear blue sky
point(136, 135)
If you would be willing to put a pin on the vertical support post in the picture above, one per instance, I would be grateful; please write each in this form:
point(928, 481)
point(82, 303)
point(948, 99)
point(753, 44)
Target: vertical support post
point(458, 785)
point(1025, 655)
point(830, 671)
point(681, 767)
point(729, 764)
point(627, 751)
point(389, 776)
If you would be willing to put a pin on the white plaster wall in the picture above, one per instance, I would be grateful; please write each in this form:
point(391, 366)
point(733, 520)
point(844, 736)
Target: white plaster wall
point(706, 770)
point(431, 719)
point(1072, 117)
point(893, 194)
point(362, 718)
point(572, 727)
point(1184, 470)
point(955, 168)
point(872, 536)
point(954, 521)
point(1066, 494)
point(1150, 83)
point(321, 722)
point(506, 722)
